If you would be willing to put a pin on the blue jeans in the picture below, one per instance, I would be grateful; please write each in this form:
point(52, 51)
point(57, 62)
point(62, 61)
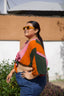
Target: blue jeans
point(31, 87)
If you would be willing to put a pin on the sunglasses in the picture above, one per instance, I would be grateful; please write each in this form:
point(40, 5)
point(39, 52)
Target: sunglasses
point(28, 27)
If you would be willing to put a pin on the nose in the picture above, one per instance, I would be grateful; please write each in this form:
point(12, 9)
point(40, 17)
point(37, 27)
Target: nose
point(25, 28)
point(25, 31)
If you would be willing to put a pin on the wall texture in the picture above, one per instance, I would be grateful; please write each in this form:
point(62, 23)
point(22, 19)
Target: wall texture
point(52, 28)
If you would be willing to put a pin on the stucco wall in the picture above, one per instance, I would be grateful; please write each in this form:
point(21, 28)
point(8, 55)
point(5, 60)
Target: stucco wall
point(52, 28)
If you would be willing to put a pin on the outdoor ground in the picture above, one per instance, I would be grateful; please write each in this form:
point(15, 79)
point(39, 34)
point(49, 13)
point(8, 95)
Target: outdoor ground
point(58, 83)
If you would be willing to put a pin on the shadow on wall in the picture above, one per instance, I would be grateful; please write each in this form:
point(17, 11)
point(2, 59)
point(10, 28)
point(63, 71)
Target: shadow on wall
point(60, 25)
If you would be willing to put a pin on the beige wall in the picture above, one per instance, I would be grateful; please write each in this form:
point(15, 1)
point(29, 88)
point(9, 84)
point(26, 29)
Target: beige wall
point(52, 28)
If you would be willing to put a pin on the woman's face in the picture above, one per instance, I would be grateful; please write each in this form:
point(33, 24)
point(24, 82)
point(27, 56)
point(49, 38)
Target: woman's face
point(29, 30)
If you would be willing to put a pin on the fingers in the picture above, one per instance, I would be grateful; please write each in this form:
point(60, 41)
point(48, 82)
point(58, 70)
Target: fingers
point(8, 79)
point(22, 74)
point(26, 74)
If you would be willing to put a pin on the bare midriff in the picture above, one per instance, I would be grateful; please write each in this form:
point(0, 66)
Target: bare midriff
point(21, 68)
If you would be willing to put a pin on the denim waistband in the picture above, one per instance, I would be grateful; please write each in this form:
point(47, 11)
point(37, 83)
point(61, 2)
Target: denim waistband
point(20, 72)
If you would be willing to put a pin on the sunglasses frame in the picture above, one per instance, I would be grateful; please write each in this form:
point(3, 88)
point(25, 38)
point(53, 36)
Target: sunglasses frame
point(28, 27)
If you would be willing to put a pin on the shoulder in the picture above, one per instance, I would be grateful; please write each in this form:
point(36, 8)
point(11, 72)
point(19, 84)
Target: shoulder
point(35, 43)
point(31, 42)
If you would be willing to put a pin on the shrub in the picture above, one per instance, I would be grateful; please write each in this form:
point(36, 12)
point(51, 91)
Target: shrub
point(11, 89)
point(52, 90)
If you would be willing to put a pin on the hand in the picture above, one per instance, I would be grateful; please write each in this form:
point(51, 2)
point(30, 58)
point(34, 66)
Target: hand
point(28, 75)
point(9, 78)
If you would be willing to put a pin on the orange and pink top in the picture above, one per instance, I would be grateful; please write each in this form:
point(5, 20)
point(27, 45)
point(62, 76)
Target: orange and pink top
point(32, 55)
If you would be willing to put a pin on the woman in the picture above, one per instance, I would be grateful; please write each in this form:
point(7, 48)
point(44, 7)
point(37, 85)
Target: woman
point(30, 63)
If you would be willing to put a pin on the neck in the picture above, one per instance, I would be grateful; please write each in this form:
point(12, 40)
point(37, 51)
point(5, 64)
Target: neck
point(34, 37)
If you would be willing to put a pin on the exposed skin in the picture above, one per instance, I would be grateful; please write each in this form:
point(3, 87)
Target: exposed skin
point(10, 75)
point(30, 34)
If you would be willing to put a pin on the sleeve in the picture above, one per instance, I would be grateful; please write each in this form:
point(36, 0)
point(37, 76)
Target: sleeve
point(17, 58)
point(38, 59)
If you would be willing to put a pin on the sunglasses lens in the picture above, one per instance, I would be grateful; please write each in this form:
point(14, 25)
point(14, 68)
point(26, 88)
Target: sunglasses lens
point(23, 28)
point(28, 27)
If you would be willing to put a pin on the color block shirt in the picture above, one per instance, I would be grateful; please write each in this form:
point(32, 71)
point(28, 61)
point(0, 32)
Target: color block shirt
point(32, 55)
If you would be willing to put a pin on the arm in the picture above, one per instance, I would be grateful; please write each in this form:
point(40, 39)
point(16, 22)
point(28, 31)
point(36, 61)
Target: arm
point(10, 75)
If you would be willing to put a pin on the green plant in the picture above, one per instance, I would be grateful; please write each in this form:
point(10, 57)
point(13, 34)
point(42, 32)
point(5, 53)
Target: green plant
point(11, 89)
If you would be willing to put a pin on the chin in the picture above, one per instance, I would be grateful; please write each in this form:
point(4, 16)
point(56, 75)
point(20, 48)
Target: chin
point(27, 36)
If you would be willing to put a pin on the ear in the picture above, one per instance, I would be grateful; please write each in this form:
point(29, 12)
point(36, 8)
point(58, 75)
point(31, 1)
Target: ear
point(36, 30)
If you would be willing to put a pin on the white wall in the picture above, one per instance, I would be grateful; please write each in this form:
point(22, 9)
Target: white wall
point(9, 49)
point(52, 50)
